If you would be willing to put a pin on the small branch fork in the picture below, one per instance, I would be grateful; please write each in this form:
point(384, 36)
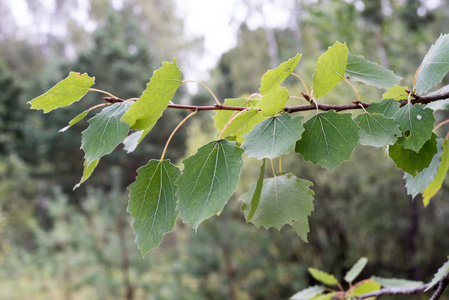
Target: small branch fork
point(291, 109)
point(440, 287)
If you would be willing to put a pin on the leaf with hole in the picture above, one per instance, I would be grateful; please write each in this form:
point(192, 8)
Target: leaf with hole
point(152, 202)
point(273, 137)
point(413, 162)
point(437, 182)
point(377, 130)
point(105, 132)
point(208, 180)
point(434, 66)
point(64, 93)
point(330, 69)
point(360, 69)
point(416, 125)
point(284, 200)
point(274, 101)
point(329, 139)
point(145, 112)
point(272, 78)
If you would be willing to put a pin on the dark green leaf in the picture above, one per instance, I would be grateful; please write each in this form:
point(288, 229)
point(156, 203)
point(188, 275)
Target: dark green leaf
point(330, 69)
point(273, 137)
point(356, 269)
point(145, 112)
point(105, 132)
point(434, 66)
point(64, 93)
point(416, 185)
point(377, 130)
point(416, 125)
point(272, 78)
point(386, 107)
point(359, 68)
point(274, 101)
point(209, 178)
point(152, 201)
point(437, 182)
point(329, 139)
point(284, 200)
point(413, 162)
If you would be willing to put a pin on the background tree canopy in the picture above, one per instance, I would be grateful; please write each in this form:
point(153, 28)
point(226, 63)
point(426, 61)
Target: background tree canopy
point(58, 243)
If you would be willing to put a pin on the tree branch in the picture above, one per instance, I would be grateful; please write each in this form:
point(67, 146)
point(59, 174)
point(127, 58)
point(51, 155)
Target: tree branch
point(442, 284)
point(291, 109)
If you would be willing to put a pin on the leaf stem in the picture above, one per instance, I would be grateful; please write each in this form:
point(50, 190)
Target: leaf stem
point(173, 133)
point(231, 119)
point(99, 105)
point(104, 92)
point(280, 164)
point(441, 124)
point(207, 88)
point(356, 92)
point(303, 83)
point(272, 168)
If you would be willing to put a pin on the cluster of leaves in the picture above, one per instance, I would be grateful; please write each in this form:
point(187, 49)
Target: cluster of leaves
point(369, 288)
point(260, 126)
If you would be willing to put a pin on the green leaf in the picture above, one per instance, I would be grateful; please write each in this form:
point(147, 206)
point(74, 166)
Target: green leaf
point(209, 178)
point(152, 201)
point(222, 117)
point(437, 182)
point(64, 93)
point(416, 125)
point(301, 227)
point(284, 200)
point(240, 120)
point(145, 112)
point(413, 162)
point(396, 283)
point(272, 78)
point(75, 120)
point(397, 93)
point(366, 287)
point(87, 171)
point(330, 69)
point(438, 275)
point(377, 130)
point(327, 296)
point(416, 185)
point(434, 66)
point(323, 277)
point(356, 269)
point(359, 68)
point(308, 293)
point(274, 101)
point(273, 137)
point(386, 107)
point(132, 141)
point(105, 132)
point(256, 196)
point(329, 139)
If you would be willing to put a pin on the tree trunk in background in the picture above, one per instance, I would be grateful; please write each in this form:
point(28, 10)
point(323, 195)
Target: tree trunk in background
point(381, 50)
point(272, 47)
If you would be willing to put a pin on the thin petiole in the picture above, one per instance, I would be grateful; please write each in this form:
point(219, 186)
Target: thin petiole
point(280, 164)
point(173, 133)
point(357, 93)
point(231, 119)
point(104, 92)
point(303, 83)
point(207, 88)
point(441, 124)
point(99, 105)
point(272, 168)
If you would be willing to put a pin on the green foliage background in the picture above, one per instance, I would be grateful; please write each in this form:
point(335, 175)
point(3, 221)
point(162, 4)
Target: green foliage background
point(55, 243)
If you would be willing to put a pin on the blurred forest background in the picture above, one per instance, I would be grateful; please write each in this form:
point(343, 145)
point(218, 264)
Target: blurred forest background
point(56, 243)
